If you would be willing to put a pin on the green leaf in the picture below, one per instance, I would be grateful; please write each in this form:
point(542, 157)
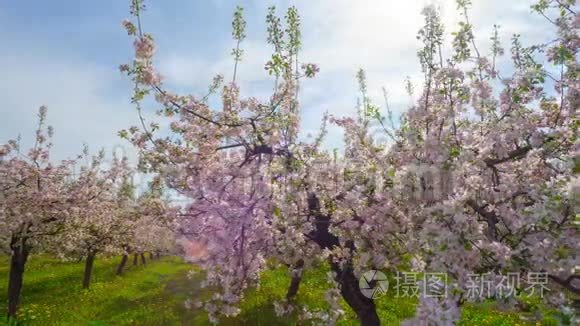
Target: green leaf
point(454, 152)
point(277, 212)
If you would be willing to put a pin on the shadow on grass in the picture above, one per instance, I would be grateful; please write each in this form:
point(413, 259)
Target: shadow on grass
point(181, 288)
point(146, 310)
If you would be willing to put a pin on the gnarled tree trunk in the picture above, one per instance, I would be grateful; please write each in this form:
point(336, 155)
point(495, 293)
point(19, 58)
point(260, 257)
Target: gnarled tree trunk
point(20, 252)
point(143, 259)
point(135, 259)
point(89, 268)
point(364, 307)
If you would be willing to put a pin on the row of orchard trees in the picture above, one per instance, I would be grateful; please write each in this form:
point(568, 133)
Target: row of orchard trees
point(478, 176)
point(72, 211)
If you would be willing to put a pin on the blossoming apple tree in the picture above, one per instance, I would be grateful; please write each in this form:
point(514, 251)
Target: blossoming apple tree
point(493, 174)
point(100, 225)
point(471, 181)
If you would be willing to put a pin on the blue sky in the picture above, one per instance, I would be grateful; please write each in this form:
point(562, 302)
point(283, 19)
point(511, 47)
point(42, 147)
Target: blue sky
point(65, 54)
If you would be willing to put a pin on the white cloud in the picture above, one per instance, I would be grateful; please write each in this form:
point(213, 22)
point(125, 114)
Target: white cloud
point(82, 106)
point(343, 35)
point(194, 73)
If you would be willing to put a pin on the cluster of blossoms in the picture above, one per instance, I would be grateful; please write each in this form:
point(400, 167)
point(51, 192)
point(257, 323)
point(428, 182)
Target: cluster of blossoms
point(470, 182)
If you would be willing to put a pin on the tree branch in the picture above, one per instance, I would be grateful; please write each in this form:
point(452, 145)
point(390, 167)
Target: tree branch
point(513, 155)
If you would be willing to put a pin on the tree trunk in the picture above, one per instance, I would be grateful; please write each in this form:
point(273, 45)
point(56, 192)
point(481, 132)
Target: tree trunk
point(89, 269)
point(135, 259)
point(349, 288)
point(157, 254)
point(18, 260)
point(122, 264)
point(151, 256)
point(143, 259)
point(295, 282)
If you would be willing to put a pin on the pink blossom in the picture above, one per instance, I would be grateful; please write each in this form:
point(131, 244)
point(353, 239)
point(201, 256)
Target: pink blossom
point(144, 47)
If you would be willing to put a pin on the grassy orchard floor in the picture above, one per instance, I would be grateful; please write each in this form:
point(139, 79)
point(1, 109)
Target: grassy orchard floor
point(154, 294)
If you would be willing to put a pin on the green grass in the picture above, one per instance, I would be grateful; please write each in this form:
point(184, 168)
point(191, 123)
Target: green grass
point(154, 295)
point(52, 293)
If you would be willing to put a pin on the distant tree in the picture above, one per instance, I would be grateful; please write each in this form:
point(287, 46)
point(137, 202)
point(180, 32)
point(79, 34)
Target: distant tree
point(98, 226)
